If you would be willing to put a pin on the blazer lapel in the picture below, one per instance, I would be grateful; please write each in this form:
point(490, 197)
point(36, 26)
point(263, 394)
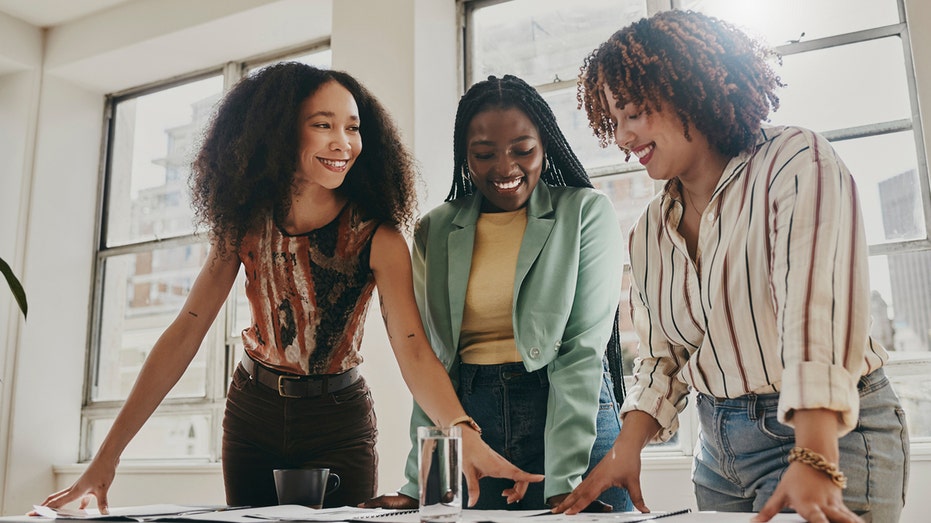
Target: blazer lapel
point(540, 222)
point(459, 245)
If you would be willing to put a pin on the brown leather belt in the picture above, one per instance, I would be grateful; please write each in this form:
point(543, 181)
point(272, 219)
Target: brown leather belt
point(295, 386)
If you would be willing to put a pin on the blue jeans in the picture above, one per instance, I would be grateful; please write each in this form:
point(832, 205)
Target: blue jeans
point(509, 404)
point(609, 426)
point(742, 452)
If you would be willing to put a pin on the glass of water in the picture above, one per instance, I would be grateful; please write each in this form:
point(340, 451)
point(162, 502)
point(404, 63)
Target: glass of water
point(440, 465)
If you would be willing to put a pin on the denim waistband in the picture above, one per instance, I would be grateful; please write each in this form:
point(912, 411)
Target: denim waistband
point(868, 383)
point(476, 375)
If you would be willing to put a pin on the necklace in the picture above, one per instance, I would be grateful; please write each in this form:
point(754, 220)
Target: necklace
point(688, 194)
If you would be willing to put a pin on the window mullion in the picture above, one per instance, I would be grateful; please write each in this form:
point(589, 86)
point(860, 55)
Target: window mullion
point(839, 40)
point(924, 182)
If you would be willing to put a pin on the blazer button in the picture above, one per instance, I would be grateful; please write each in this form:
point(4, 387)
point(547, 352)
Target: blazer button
point(535, 352)
point(557, 345)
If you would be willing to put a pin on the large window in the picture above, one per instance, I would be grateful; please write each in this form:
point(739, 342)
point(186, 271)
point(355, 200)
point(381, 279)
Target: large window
point(848, 67)
point(148, 256)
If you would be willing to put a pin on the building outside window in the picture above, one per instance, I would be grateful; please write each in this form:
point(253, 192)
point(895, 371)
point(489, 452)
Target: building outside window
point(849, 74)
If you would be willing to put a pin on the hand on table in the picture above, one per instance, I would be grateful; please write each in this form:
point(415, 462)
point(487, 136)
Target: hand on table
point(812, 494)
point(95, 482)
point(616, 469)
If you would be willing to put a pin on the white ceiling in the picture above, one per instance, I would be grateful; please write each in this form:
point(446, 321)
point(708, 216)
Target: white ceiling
point(48, 13)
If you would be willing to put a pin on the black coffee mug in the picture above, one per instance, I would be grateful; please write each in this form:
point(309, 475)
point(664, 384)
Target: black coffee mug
point(304, 486)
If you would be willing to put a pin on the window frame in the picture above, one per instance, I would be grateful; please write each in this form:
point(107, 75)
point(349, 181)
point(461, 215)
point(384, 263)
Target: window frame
point(899, 365)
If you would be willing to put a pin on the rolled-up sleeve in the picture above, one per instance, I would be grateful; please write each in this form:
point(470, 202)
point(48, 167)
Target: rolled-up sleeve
point(820, 281)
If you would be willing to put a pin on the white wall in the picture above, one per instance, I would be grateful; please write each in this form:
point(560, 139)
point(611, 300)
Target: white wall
point(19, 87)
point(51, 98)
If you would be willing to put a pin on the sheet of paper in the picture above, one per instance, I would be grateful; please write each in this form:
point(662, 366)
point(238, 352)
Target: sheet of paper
point(298, 513)
point(727, 517)
point(482, 516)
point(301, 513)
point(137, 512)
point(521, 516)
point(497, 516)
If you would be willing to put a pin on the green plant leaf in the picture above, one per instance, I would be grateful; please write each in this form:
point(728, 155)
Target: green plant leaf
point(18, 292)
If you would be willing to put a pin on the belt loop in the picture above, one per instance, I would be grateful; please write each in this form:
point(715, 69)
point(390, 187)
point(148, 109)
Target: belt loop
point(753, 411)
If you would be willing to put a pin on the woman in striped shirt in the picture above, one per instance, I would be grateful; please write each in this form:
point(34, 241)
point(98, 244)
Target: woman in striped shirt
point(749, 284)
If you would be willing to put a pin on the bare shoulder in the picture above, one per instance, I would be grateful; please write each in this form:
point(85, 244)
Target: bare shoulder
point(389, 247)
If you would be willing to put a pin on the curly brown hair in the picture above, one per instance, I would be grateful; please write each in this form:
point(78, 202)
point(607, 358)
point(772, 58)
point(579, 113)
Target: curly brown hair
point(713, 75)
point(245, 168)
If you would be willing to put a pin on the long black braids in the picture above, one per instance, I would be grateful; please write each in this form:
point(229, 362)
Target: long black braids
point(561, 169)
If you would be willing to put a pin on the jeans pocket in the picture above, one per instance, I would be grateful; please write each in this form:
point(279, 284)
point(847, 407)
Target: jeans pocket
point(358, 391)
point(773, 429)
point(240, 379)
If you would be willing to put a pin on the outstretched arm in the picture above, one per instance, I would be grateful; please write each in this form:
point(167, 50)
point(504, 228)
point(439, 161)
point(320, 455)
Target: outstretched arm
point(424, 374)
point(164, 366)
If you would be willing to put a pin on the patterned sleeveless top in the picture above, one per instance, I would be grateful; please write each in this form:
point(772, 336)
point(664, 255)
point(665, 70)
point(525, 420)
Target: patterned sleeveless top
point(309, 294)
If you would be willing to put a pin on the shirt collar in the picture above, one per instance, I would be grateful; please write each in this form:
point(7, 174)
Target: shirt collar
point(672, 191)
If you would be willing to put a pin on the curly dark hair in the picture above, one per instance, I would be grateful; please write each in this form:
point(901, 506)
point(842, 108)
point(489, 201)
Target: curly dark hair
point(563, 167)
point(713, 75)
point(245, 168)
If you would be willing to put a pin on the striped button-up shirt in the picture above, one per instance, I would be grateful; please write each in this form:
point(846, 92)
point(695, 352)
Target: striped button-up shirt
point(778, 297)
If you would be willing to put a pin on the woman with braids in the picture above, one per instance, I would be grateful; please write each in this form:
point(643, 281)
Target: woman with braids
point(749, 285)
point(314, 218)
point(518, 280)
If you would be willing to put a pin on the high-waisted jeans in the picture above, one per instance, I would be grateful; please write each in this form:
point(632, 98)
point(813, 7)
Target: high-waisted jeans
point(509, 404)
point(743, 452)
point(263, 431)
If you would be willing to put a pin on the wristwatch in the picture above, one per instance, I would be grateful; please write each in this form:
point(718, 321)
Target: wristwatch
point(468, 421)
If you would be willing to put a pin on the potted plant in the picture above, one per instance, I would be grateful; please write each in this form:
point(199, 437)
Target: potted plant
point(15, 286)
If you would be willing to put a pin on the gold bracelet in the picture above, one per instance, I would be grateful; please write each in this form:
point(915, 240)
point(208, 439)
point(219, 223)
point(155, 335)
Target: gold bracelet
point(820, 463)
point(467, 420)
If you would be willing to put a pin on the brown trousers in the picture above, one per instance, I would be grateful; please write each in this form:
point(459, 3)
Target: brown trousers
point(263, 431)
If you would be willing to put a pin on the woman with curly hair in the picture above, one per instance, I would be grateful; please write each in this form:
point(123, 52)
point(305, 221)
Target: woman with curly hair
point(518, 280)
point(314, 218)
point(749, 285)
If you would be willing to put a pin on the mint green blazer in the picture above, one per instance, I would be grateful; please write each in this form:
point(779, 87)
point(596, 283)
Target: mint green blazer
point(566, 290)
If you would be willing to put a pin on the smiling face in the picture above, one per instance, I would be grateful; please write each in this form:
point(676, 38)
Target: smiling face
point(330, 139)
point(505, 155)
point(657, 139)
